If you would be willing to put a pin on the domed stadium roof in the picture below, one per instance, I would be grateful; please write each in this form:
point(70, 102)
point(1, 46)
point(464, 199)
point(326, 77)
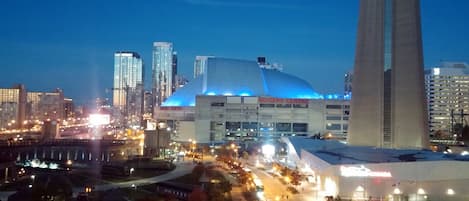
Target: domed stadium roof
point(232, 77)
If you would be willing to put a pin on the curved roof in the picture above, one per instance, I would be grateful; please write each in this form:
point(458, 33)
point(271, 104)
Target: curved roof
point(232, 77)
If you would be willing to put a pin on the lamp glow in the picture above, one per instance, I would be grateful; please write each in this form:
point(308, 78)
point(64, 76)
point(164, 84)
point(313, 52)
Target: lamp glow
point(450, 191)
point(268, 150)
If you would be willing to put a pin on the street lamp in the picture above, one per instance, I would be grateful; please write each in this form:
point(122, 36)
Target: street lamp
point(193, 146)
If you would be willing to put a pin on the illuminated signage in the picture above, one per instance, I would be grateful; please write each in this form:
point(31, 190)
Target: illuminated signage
point(99, 119)
point(362, 171)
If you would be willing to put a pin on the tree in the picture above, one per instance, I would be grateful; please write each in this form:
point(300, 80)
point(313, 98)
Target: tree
point(51, 187)
point(197, 195)
point(245, 155)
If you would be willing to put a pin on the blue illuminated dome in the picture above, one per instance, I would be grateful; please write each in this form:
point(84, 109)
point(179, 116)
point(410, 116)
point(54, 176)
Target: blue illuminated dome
point(232, 77)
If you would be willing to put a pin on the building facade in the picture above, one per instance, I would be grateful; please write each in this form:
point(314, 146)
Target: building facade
point(148, 103)
point(164, 69)
point(388, 105)
point(69, 108)
point(348, 77)
point(447, 88)
point(128, 86)
point(44, 106)
point(240, 100)
point(200, 64)
point(226, 118)
point(12, 107)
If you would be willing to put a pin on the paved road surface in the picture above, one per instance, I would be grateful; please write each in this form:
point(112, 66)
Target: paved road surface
point(275, 190)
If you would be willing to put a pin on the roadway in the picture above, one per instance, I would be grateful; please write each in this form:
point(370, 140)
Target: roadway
point(274, 190)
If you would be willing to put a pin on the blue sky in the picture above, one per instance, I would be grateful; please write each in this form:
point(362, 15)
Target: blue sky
point(70, 44)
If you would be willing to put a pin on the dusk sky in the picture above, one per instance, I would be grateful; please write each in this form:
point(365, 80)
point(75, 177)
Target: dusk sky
point(52, 44)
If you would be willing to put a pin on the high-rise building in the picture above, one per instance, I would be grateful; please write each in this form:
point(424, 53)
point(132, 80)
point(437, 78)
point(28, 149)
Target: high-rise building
point(200, 64)
point(163, 71)
point(148, 102)
point(69, 108)
point(447, 88)
point(44, 106)
point(174, 73)
point(388, 107)
point(12, 107)
point(128, 86)
point(348, 77)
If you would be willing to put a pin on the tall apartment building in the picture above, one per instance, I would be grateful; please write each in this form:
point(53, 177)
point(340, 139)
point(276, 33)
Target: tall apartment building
point(447, 88)
point(128, 86)
point(164, 69)
point(12, 107)
point(388, 102)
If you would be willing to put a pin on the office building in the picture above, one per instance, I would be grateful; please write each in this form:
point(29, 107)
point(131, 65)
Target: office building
point(12, 107)
point(128, 86)
point(164, 69)
point(447, 88)
point(46, 106)
point(148, 102)
point(200, 64)
point(388, 107)
point(69, 108)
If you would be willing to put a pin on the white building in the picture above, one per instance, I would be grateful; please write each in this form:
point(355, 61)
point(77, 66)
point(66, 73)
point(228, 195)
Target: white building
point(163, 71)
point(358, 173)
point(447, 89)
point(128, 86)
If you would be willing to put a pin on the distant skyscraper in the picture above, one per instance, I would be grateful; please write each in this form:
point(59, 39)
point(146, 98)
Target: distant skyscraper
point(128, 85)
point(148, 102)
point(388, 107)
point(174, 72)
point(447, 88)
point(163, 71)
point(200, 64)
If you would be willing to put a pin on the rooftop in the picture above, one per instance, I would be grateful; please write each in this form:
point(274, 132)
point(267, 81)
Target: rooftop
point(233, 77)
point(336, 153)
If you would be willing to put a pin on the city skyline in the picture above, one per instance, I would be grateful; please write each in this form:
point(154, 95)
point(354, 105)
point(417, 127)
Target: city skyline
point(287, 33)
